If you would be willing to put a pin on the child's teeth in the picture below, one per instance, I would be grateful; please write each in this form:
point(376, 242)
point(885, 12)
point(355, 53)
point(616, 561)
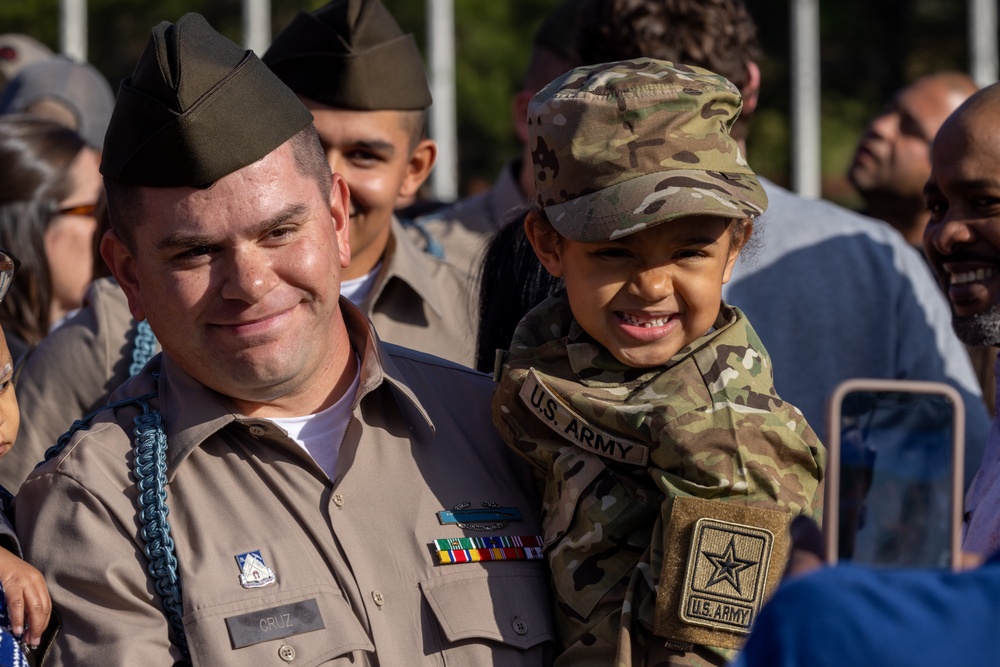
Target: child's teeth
point(651, 322)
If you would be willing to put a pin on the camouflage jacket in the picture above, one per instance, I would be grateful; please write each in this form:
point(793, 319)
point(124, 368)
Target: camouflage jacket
point(708, 424)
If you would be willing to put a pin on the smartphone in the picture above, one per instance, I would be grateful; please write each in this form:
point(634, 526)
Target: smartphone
point(894, 495)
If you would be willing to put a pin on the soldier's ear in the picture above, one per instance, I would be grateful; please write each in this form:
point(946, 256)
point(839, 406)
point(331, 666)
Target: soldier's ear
point(545, 240)
point(418, 167)
point(118, 256)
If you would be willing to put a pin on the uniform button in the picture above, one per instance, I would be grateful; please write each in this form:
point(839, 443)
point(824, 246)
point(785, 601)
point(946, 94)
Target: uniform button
point(286, 653)
point(258, 430)
point(520, 627)
point(377, 596)
point(338, 500)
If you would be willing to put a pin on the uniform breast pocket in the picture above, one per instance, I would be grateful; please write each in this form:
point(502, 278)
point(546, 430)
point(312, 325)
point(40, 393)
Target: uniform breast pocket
point(596, 528)
point(506, 603)
point(300, 627)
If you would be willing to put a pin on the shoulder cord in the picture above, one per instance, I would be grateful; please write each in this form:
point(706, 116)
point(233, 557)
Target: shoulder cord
point(149, 466)
point(433, 247)
point(143, 348)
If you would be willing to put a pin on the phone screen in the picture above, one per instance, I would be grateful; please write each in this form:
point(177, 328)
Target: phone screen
point(894, 478)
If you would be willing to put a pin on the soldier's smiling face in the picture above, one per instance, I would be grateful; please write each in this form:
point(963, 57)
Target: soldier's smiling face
point(962, 239)
point(646, 295)
point(240, 282)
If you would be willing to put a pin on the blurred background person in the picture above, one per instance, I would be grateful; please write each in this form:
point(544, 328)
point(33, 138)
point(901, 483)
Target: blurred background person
point(17, 51)
point(893, 158)
point(70, 93)
point(464, 228)
point(893, 161)
point(48, 196)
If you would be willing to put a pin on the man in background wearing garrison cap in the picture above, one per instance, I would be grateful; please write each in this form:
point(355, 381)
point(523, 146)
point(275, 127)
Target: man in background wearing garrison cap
point(277, 486)
point(364, 83)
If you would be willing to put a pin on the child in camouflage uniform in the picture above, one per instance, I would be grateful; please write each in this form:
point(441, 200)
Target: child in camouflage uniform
point(669, 466)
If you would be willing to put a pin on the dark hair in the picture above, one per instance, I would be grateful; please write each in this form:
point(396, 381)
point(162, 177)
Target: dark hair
point(511, 282)
point(35, 159)
point(125, 202)
point(415, 124)
point(719, 35)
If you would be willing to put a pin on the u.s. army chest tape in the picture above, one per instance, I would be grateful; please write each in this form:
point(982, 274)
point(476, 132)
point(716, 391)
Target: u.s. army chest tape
point(558, 416)
point(721, 560)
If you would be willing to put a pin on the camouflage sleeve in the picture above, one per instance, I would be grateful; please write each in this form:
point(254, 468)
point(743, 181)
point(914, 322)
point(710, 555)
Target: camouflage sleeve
point(766, 456)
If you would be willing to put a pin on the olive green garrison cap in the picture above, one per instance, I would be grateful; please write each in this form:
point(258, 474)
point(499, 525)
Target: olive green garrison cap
point(351, 54)
point(196, 108)
point(620, 147)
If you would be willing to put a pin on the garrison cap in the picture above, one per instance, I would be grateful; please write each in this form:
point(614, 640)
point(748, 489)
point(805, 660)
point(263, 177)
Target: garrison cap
point(351, 54)
point(620, 147)
point(196, 108)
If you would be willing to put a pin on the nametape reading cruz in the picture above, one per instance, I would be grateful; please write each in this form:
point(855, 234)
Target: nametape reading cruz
point(560, 418)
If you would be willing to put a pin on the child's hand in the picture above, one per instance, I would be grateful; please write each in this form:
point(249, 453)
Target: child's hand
point(28, 595)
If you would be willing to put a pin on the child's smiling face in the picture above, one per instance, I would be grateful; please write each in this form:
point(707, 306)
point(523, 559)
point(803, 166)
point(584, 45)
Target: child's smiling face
point(648, 294)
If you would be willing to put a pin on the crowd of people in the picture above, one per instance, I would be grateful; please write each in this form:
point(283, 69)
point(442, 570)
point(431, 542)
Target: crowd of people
point(266, 414)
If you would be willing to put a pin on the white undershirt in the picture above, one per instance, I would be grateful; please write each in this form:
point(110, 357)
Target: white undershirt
point(356, 290)
point(322, 433)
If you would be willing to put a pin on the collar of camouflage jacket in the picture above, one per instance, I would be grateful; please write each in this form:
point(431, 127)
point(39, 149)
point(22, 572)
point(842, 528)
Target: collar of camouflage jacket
point(551, 346)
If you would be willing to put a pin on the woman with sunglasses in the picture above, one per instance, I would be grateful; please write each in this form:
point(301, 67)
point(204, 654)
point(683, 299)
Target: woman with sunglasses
point(48, 195)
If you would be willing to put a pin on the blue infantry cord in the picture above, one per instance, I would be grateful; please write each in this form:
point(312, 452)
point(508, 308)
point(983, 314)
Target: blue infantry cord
point(150, 470)
point(433, 248)
point(143, 348)
point(149, 466)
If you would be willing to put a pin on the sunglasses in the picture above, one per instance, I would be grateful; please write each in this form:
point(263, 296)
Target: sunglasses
point(83, 209)
point(8, 268)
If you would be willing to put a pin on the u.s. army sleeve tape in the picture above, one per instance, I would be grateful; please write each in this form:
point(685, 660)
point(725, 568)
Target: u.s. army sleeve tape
point(722, 561)
point(558, 416)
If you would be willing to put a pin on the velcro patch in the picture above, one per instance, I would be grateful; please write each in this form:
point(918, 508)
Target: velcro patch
point(722, 561)
point(563, 420)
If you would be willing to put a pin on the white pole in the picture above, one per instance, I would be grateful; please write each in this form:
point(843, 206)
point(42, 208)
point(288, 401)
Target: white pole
point(443, 124)
point(806, 176)
point(73, 29)
point(257, 25)
point(983, 41)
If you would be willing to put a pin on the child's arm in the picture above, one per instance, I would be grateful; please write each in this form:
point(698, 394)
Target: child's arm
point(26, 594)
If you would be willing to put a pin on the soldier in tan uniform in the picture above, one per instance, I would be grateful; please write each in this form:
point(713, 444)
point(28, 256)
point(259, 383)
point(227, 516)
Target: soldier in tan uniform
point(669, 466)
point(364, 83)
point(414, 300)
point(277, 487)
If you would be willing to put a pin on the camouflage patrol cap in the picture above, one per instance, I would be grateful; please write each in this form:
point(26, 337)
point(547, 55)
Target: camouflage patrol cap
point(351, 54)
point(620, 147)
point(196, 108)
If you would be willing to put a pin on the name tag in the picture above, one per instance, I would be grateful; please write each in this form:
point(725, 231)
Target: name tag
point(563, 420)
point(274, 623)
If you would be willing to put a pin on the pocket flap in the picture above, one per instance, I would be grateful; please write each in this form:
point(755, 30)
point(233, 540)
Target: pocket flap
point(313, 625)
point(508, 604)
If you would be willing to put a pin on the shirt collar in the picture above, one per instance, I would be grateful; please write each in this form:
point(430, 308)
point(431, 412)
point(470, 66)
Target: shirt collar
point(404, 261)
point(192, 412)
